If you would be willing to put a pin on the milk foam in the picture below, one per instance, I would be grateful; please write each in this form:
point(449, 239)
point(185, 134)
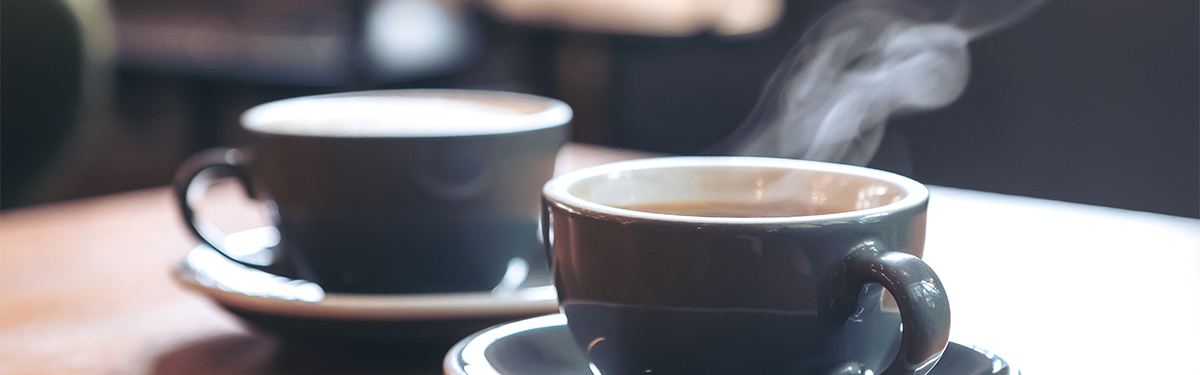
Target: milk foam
point(406, 114)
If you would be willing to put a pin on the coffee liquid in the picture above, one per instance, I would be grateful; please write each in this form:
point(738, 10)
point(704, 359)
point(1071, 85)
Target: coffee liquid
point(778, 208)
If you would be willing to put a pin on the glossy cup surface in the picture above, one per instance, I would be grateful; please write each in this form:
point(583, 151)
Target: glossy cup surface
point(406, 191)
point(665, 293)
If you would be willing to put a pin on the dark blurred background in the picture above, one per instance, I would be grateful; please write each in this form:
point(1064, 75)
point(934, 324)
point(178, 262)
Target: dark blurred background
point(1095, 102)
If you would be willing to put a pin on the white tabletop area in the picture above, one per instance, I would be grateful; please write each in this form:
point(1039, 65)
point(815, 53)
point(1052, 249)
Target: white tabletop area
point(1063, 288)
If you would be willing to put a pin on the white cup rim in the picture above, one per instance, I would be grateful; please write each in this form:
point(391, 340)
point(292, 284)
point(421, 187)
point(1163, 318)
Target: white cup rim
point(556, 112)
point(558, 190)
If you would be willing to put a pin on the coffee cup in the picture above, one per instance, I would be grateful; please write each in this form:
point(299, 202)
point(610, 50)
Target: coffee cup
point(744, 265)
point(401, 191)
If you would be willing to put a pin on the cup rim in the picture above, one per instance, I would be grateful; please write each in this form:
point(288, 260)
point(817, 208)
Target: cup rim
point(557, 113)
point(557, 190)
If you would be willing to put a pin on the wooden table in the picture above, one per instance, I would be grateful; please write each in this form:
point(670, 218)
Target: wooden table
point(1054, 287)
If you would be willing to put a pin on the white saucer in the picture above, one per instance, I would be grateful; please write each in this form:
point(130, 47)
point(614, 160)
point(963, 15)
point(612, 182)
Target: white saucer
point(297, 308)
point(544, 346)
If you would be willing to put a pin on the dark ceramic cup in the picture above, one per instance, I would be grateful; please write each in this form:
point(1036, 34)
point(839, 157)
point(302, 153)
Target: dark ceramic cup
point(406, 191)
point(738, 265)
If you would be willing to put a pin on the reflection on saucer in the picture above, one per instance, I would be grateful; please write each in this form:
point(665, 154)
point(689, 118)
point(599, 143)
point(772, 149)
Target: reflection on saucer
point(213, 270)
point(299, 308)
point(544, 346)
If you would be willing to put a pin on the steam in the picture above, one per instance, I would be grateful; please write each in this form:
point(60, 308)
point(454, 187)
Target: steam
point(860, 64)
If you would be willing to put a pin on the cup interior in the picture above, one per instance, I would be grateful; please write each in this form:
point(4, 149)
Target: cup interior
point(734, 187)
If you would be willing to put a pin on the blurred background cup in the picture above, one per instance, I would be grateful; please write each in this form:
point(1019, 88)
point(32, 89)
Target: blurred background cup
point(400, 191)
point(722, 265)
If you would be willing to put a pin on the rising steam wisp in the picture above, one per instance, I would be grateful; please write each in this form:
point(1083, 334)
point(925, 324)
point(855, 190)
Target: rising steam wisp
point(861, 63)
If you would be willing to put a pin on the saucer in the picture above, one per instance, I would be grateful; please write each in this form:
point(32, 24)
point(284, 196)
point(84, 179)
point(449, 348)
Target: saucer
point(301, 309)
point(543, 345)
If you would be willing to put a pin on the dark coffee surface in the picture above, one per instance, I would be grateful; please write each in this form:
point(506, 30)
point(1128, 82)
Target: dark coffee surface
point(777, 208)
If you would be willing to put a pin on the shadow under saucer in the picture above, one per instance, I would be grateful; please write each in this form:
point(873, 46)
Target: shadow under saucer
point(251, 353)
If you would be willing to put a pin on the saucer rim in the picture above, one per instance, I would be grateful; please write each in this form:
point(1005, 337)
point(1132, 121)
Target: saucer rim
point(451, 362)
point(380, 307)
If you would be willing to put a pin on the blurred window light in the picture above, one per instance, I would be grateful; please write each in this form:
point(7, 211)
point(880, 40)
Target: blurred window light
point(408, 39)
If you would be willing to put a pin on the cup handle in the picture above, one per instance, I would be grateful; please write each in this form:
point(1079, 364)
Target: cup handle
point(924, 308)
point(195, 176)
